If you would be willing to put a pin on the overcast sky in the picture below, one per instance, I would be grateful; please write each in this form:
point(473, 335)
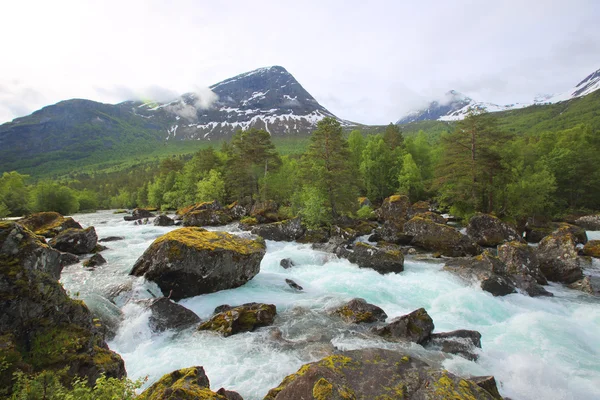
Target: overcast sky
point(368, 62)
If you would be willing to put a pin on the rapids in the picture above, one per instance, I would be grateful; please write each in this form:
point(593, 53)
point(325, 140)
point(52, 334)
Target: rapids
point(537, 348)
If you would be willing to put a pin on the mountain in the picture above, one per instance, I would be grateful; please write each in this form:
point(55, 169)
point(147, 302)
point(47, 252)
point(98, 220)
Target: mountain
point(79, 130)
point(455, 106)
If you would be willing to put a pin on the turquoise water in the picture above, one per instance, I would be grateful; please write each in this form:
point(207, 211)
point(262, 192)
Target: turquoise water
point(535, 347)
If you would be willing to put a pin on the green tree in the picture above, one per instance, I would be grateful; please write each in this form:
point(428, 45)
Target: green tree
point(211, 188)
point(51, 196)
point(379, 169)
point(410, 180)
point(356, 144)
point(14, 193)
point(88, 200)
point(530, 194)
point(392, 136)
point(326, 168)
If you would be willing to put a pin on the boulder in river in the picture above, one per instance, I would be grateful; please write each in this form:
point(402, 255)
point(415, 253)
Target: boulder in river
point(191, 261)
point(46, 328)
point(420, 207)
point(68, 259)
point(166, 314)
point(75, 241)
point(206, 217)
point(440, 238)
point(48, 224)
point(358, 311)
point(185, 384)
point(265, 211)
point(521, 259)
point(294, 285)
point(139, 213)
point(94, 261)
point(461, 342)
point(391, 232)
point(588, 284)
point(286, 263)
point(558, 257)
point(382, 260)
point(244, 318)
point(589, 222)
point(288, 230)
point(592, 248)
point(414, 327)
point(394, 208)
point(488, 230)
point(163, 220)
point(110, 239)
point(535, 233)
point(375, 374)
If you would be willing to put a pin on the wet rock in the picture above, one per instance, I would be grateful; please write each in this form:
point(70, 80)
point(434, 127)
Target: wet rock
point(487, 230)
point(206, 217)
point(166, 314)
point(374, 374)
point(286, 263)
point(440, 238)
point(529, 286)
point(521, 259)
point(222, 308)
point(48, 224)
point(391, 232)
point(358, 311)
point(394, 208)
point(288, 230)
point(244, 318)
point(139, 213)
point(485, 268)
point(188, 262)
point(94, 261)
point(76, 241)
point(414, 327)
point(163, 220)
point(265, 211)
point(589, 222)
point(293, 285)
point(49, 329)
point(107, 317)
point(461, 342)
point(314, 236)
point(488, 383)
point(534, 233)
point(592, 248)
point(68, 259)
point(382, 260)
point(144, 221)
point(111, 239)
point(588, 284)
point(185, 384)
point(236, 211)
point(558, 257)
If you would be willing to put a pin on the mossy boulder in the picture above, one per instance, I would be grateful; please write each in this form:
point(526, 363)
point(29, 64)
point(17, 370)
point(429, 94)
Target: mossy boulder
point(462, 342)
point(375, 374)
point(207, 205)
point(488, 230)
point(166, 314)
point(382, 260)
point(139, 213)
point(265, 211)
point(592, 248)
point(244, 318)
point(288, 230)
point(205, 214)
point(191, 261)
point(441, 238)
point(163, 220)
point(48, 224)
point(76, 241)
point(358, 311)
point(420, 207)
point(185, 384)
point(49, 329)
point(394, 208)
point(94, 261)
point(521, 259)
point(391, 232)
point(588, 284)
point(558, 257)
point(414, 327)
point(535, 233)
point(589, 222)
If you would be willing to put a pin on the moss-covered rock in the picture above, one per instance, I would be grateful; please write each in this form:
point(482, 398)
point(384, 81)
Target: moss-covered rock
point(558, 257)
point(49, 330)
point(265, 211)
point(441, 238)
point(185, 384)
point(288, 230)
point(414, 327)
point(48, 224)
point(188, 262)
point(94, 261)
point(535, 233)
point(391, 232)
point(486, 269)
point(488, 230)
point(592, 248)
point(76, 241)
point(244, 318)
point(382, 260)
point(375, 374)
point(588, 284)
point(358, 311)
point(140, 213)
point(163, 220)
point(394, 208)
point(589, 222)
point(207, 217)
point(521, 259)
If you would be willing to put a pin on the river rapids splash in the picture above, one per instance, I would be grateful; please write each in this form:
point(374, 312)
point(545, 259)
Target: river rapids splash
point(537, 348)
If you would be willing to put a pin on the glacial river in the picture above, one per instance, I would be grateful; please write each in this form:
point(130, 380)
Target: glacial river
point(537, 348)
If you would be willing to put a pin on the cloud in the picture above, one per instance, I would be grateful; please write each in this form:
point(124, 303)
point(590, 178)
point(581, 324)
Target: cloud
point(188, 105)
point(17, 99)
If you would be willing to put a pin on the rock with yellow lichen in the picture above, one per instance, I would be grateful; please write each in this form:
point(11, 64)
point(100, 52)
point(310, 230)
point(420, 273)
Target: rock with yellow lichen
point(186, 384)
point(244, 318)
point(191, 261)
point(592, 248)
point(40, 326)
point(414, 327)
point(382, 260)
point(358, 311)
point(558, 257)
point(394, 208)
point(376, 374)
point(75, 241)
point(488, 230)
point(48, 224)
point(441, 238)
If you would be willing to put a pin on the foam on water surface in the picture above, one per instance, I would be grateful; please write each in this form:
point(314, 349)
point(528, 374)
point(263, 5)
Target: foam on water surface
point(535, 347)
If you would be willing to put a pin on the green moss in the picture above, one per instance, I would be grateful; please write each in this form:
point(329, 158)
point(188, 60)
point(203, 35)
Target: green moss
point(182, 384)
point(203, 240)
point(322, 390)
point(57, 345)
point(249, 221)
point(336, 362)
point(445, 388)
point(286, 381)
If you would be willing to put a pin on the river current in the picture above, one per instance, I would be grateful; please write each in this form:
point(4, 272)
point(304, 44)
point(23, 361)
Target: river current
point(537, 348)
